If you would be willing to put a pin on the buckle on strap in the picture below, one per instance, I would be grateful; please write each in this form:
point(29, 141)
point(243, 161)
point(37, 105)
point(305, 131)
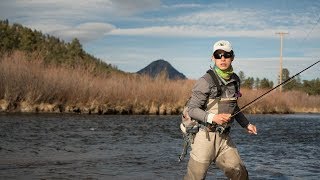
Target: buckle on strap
point(218, 128)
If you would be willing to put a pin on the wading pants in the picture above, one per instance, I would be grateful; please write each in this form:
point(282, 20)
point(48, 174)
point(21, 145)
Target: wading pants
point(220, 150)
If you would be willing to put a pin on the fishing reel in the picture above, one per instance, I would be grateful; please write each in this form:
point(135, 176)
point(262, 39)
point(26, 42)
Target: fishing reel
point(220, 129)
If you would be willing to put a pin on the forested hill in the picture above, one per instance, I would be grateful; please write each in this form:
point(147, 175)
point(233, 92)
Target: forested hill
point(51, 49)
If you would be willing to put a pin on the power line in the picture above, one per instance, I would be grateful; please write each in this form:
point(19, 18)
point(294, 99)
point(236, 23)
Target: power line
point(314, 26)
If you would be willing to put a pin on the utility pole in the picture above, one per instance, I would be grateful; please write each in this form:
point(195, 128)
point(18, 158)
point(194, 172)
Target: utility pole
point(281, 45)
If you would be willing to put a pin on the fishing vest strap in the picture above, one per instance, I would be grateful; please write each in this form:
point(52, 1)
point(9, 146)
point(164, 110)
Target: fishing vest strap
point(216, 82)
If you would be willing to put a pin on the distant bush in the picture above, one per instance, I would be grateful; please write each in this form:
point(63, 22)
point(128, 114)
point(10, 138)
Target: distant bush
point(311, 87)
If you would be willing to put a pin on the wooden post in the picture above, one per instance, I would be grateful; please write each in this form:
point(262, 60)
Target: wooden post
point(281, 47)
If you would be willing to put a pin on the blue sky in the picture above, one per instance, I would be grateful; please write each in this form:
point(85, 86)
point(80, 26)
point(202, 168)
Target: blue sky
point(132, 33)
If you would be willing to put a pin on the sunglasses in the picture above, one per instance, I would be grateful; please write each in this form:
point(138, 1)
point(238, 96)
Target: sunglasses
point(225, 55)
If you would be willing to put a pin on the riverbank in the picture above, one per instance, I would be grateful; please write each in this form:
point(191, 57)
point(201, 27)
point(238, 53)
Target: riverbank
point(263, 107)
point(153, 109)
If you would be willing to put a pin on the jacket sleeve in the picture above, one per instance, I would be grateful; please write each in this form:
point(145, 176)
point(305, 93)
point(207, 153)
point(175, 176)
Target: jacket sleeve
point(198, 100)
point(241, 118)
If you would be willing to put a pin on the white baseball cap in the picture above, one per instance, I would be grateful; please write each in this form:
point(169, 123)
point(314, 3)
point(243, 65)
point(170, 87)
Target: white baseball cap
point(223, 45)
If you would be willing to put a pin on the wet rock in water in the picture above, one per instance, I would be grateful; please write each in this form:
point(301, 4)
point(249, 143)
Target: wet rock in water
point(153, 109)
point(162, 109)
point(26, 107)
point(4, 105)
point(46, 107)
point(139, 109)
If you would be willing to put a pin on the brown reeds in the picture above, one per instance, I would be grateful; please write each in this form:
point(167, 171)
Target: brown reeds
point(280, 102)
point(32, 86)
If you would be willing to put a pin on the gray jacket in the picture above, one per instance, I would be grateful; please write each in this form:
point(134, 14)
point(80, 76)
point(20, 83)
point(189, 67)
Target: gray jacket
point(205, 89)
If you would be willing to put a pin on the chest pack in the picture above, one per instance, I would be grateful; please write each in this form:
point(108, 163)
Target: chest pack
point(188, 124)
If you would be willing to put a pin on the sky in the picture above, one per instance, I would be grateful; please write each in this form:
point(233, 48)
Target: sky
point(130, 34)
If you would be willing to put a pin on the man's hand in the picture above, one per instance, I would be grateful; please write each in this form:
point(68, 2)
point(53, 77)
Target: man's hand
point(221, 118)
point(252, 129)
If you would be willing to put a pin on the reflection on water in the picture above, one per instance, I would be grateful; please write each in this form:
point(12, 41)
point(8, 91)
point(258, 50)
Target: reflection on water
point(51, 146)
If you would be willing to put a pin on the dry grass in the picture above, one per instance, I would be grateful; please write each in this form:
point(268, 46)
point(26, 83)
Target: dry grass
point(280, 102)
point(33, 82)
point(29, 85)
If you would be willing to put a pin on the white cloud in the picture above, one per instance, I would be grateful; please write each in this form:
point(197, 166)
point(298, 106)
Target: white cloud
point(184, 6)
point(85, 32)
point(84, 19)
point(269, 67)
point(90, 20)
point(82, 7)
point(312, 52)
point(209, 31)
point(155, 31)
point(233, 23)
point(128, 7)
point(222, 18)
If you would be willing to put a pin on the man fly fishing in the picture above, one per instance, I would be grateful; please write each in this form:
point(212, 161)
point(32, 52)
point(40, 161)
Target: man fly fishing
point(209, 112)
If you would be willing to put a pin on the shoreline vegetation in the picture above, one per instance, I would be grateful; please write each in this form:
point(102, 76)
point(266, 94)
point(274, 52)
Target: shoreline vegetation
point(34, 86)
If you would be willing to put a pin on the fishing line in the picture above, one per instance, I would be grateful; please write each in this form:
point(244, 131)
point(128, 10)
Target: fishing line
point(283, 83)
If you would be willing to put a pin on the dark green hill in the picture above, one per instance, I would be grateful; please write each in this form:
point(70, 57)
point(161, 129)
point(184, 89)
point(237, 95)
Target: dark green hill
point(51, 49)
point(157, 67)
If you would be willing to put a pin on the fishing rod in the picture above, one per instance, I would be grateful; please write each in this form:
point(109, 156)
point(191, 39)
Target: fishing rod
point(283, 83)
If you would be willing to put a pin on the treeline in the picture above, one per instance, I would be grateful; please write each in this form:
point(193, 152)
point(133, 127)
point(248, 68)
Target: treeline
point(311, 87)
point(48, 48)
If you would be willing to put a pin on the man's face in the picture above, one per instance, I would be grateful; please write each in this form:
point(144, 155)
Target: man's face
point(222, 59)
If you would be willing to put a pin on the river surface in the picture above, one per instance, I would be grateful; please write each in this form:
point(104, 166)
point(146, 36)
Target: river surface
point(60, 146)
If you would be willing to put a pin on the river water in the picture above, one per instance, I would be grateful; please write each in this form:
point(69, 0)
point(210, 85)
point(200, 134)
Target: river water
point(57, 146)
